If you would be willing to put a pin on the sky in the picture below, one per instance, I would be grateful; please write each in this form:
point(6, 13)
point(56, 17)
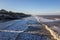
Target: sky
point(35, 7)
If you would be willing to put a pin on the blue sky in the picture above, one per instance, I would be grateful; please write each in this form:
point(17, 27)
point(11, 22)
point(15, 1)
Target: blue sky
point(36, 7)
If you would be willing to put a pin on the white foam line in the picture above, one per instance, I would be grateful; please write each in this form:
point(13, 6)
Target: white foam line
point(11, 31)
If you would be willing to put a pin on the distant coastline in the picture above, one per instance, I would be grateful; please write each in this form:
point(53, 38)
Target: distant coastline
point(9, 15)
